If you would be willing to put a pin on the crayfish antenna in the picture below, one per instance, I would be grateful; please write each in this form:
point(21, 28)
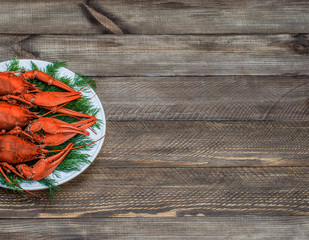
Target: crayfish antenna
point(85, 145)
point(10, 72)
point(86, 99)
point(31, 193)
point(86, 85)
point(4, 175)
point(67, 111)
point(14, 183)
point(51, 110)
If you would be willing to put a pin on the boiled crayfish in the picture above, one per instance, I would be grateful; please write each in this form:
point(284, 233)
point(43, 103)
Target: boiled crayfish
point(19, 126)
point(12, 116)
point(17, 85)
point(16, 151)
point(13, 88)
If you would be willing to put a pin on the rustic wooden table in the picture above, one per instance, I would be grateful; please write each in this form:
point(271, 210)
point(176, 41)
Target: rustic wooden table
point(207, 107)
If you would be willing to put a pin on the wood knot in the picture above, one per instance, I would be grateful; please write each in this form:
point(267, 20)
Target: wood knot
point(300, 44)
point(101, 18)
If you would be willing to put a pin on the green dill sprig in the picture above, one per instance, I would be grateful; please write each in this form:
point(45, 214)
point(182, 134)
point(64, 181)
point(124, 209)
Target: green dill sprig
point(14, 65)
point(50, 183)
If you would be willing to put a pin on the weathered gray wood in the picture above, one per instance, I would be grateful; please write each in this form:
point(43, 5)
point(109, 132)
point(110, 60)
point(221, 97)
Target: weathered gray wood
point(155, 17)
point(247, 227)
point(128, 55)
point(189, 144)
point(149, 171)
point(170, 192)
point(205, 98)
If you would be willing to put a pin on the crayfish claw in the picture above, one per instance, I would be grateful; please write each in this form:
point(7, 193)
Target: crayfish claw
point(43, 77)
point(45, 166)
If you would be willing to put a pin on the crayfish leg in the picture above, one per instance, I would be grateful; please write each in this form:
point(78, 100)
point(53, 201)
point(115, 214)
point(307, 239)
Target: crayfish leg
point(4, 175)
point(6, 166)
point(17, 131)
point(12, 97)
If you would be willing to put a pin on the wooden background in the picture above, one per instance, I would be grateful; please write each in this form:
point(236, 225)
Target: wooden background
point(208, 112)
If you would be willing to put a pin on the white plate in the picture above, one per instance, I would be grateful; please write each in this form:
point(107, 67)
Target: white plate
point(63, 177)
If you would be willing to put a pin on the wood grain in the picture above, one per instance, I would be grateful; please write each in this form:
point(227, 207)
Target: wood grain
point(205, 144)
point(156, 16)
point(207, 106)
point(131, 55)
point(247, 227)
point(170, 192)
point(205, 98)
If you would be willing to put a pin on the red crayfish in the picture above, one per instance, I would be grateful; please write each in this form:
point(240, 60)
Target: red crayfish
point(16, 151)
point(12, 116)
point(16, 119)
point(13, 88)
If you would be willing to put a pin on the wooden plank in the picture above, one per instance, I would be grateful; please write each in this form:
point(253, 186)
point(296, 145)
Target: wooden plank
point(205, 98)
point(247, 227)
point(170, 192)
point(131, 55)
point(205, 144)
point(155, 17)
